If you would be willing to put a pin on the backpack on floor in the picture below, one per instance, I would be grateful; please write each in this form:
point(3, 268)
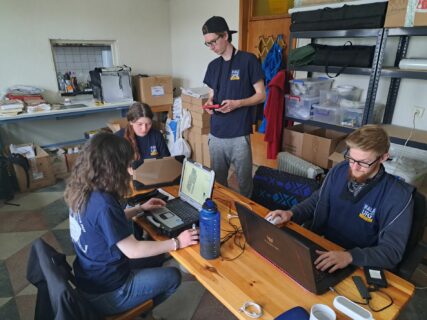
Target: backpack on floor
point(7, 180)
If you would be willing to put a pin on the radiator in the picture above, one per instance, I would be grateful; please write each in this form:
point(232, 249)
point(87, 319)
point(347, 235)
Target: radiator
point(289, 163)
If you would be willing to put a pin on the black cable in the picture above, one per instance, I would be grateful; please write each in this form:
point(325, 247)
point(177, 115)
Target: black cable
point(237, 235)
point(378, 290)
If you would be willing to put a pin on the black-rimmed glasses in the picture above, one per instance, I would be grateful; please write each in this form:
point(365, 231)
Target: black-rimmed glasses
point(213, 42)
point(359, 163)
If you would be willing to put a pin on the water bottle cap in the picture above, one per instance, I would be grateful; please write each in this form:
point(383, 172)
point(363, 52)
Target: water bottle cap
point(209, 205)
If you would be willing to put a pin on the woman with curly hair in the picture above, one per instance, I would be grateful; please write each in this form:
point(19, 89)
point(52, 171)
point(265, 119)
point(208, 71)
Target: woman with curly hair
point(147, 142)
point(105, 248)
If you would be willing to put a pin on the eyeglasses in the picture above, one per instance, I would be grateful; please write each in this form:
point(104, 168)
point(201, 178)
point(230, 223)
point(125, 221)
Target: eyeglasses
point(359, 163)
point(213, 42)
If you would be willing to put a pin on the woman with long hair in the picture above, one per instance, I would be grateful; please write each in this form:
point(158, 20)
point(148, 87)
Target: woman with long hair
point(102, 240)
point(147, 142)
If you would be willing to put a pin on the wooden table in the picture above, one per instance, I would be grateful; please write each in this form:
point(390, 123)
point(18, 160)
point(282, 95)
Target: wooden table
point(251, 278)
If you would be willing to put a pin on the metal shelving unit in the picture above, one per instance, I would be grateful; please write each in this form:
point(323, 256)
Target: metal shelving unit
point(398, 134)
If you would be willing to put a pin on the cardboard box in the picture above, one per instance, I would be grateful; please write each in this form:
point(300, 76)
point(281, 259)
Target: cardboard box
point(197, 130)
point(155, 90)
point(338, 155)
point(406, 13)
point(420, 14)
point(117, 124)
point(193, 100)
point(193, 108)
point(199, 147)
point(259, 151)
point(293, 138)
point(40, 173)
point(73, 152)
point(200, 122)
point(59, 165)
point(319, 144)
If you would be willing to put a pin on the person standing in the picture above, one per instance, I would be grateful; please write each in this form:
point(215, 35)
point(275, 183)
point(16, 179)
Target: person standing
point(235, 81)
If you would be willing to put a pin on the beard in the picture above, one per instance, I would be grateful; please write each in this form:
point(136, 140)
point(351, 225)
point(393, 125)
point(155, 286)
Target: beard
point(359, 179)
point(363, 177)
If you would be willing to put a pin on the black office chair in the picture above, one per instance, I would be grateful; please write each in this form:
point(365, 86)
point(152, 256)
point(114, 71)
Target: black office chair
point(57, 297)
point(416, 248)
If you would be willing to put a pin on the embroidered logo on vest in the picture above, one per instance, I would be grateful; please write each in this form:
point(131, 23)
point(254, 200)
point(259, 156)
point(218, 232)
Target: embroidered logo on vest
point(235, 75)
point(368, 213)
point(153, 151)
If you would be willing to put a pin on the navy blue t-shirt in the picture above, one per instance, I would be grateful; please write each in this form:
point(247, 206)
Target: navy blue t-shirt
point(233, 80)
point(152, 145)
point(99, 266)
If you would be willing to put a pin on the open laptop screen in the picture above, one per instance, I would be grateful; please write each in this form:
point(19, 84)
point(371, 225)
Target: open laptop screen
point(196, 183)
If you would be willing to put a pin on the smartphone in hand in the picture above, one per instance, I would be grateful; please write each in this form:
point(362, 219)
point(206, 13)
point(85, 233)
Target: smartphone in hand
point(212, 107)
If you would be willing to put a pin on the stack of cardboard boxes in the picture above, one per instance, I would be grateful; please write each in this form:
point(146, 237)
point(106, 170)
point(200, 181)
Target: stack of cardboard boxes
point(197, 135)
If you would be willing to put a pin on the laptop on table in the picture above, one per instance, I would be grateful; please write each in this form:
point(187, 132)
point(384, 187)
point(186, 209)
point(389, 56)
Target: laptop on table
point(289, 251)
point(181, 213)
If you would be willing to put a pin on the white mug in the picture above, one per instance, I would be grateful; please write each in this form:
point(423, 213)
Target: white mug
point(322, 312)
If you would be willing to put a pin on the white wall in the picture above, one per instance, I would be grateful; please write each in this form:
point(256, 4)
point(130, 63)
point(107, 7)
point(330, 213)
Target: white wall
point(190, 57)
point(140, 28)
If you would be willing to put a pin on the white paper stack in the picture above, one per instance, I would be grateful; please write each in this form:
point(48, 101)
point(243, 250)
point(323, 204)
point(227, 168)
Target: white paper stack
point(11, 107)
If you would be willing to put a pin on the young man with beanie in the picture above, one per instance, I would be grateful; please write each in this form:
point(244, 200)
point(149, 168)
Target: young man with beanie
point(235, 82)
point(360, 207)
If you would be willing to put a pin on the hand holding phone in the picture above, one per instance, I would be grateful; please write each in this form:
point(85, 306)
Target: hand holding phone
point(212, 106)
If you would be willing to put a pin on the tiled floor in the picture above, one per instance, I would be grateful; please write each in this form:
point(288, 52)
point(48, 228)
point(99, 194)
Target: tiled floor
point(44, 214)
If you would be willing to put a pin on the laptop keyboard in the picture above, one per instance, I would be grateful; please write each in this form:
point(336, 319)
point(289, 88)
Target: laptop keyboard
point(318, 274)
point(183, 210)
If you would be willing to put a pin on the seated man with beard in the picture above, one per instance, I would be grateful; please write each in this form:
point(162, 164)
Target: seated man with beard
point(359, 207)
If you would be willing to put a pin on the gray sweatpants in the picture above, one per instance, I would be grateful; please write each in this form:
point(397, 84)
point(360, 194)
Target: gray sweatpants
point(236, 151)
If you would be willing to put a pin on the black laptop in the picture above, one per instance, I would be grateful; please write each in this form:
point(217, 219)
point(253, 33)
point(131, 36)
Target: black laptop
point(289, 251)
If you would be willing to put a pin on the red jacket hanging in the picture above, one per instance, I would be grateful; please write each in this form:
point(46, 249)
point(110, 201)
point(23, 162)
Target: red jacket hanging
point(273, 112)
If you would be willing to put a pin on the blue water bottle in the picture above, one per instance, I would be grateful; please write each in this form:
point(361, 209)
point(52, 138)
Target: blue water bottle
point(209, 223)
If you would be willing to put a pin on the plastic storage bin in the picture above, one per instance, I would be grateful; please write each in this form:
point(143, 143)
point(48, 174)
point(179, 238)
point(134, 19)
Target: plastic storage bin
point(349, 92)
point(309, 87)
point(351, 117)
point(326, 114)
point(329, 98)
point(411, 171)
point(299, 106)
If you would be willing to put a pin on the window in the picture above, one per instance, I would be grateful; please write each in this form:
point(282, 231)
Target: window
point(73, 60)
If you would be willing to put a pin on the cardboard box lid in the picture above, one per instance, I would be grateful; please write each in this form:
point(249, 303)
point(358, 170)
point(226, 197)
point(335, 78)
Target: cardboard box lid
point(117, 124)
point(338, 154)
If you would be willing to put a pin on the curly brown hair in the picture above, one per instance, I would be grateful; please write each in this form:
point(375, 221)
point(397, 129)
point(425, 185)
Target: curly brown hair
point(102, 165)
point(136, 110)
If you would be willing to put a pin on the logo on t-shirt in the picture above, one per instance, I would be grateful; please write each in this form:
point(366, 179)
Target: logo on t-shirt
point(153, 151)
point(235, 74)
point(368, 213)
point(76, 229)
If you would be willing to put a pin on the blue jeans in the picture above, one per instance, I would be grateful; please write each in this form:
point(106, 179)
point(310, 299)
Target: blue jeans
point(143, 284)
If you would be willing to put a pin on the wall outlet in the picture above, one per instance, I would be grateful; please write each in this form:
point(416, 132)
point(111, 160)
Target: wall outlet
point(418, 110)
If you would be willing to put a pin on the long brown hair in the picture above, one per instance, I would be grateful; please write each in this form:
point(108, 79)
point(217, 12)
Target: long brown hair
point(102, 165)
point(136, 111)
